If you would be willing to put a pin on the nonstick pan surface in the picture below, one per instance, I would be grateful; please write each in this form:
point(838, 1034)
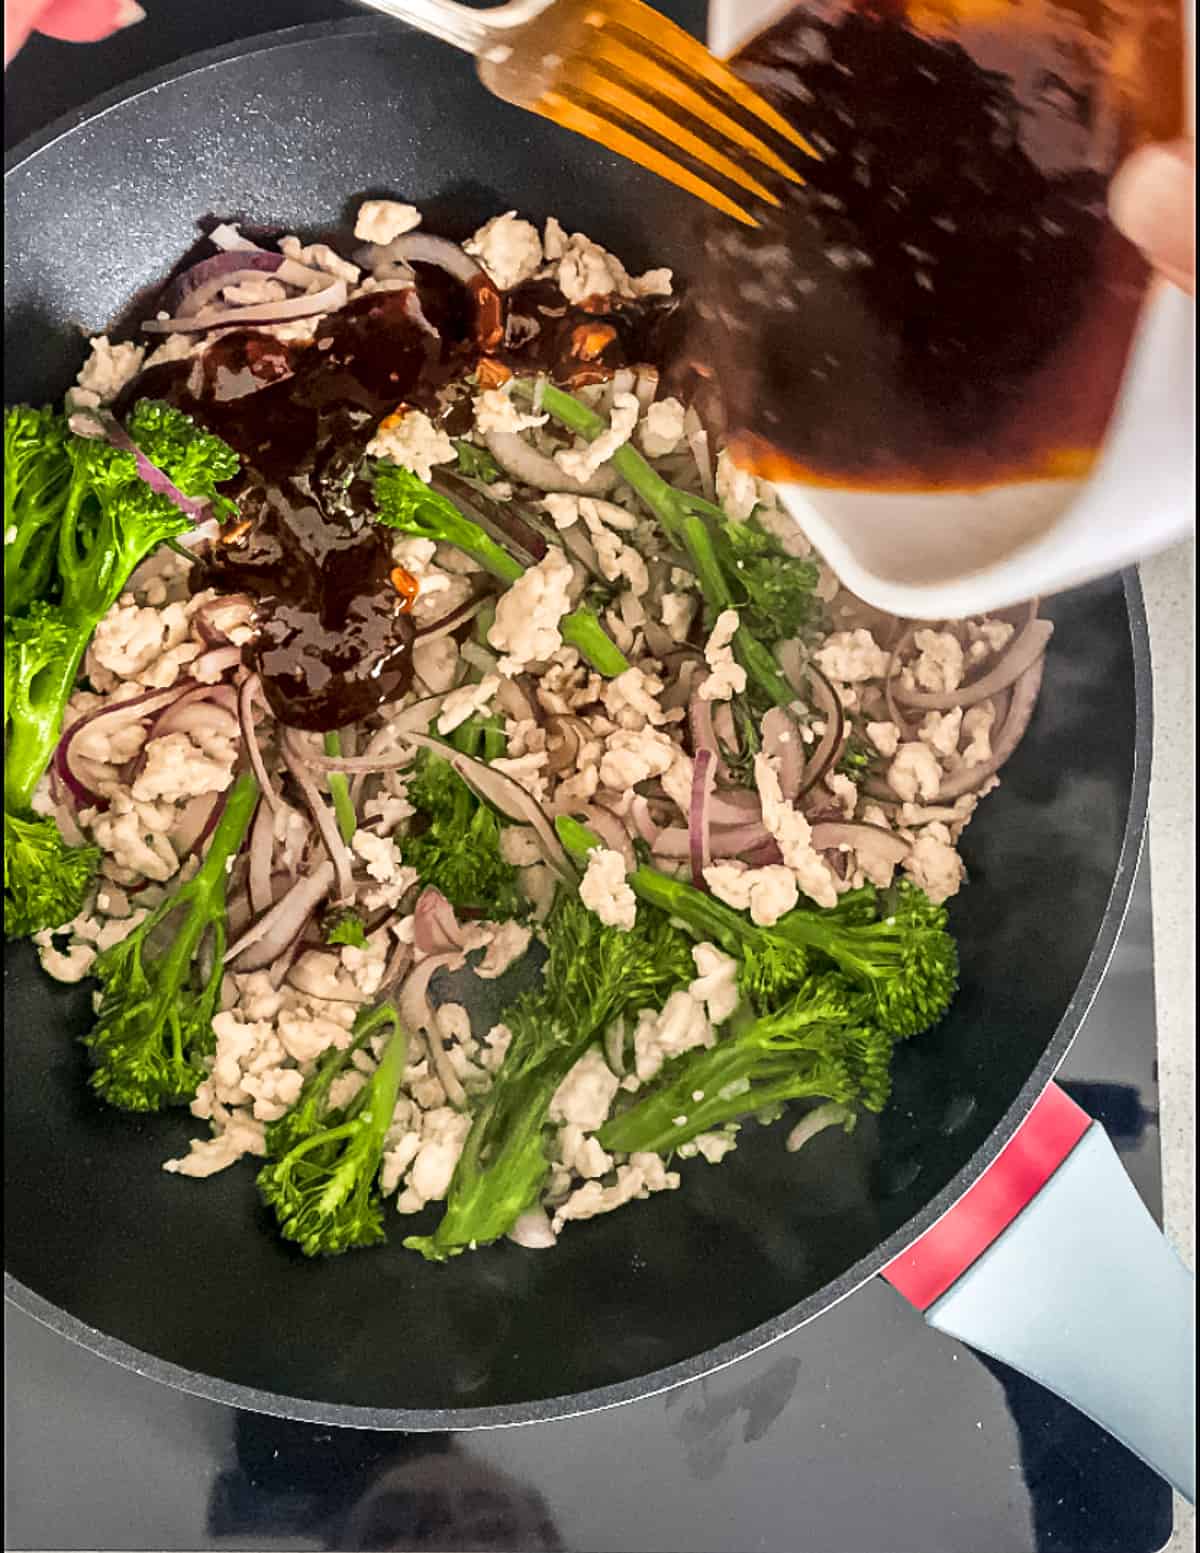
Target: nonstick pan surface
point(182, 1280)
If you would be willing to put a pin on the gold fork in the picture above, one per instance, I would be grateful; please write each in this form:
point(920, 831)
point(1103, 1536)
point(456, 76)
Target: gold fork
point(621, 74)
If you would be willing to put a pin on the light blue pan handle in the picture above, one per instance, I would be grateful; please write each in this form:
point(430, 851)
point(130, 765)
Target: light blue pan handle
point(1074, 1285)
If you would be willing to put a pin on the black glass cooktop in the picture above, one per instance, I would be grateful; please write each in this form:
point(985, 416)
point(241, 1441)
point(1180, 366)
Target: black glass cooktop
point(865, 1432)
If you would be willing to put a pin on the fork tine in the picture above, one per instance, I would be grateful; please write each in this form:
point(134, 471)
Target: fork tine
point(593, 126)
point(648, 74)
point(581, 82)
point(648, 28)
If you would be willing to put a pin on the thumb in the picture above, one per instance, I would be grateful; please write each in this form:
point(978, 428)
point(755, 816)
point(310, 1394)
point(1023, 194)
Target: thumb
point(1153, 202)
point(72, 21)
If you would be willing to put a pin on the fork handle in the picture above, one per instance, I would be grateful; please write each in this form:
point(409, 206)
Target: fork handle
point(463, 26)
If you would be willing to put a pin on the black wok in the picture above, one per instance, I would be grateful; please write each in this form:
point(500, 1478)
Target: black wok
point(179, 1280)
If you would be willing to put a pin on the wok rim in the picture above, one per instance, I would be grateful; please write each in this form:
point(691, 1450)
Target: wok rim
point(708, 1362)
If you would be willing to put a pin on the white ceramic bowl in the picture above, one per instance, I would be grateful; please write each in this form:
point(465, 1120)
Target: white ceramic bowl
point(952, 554)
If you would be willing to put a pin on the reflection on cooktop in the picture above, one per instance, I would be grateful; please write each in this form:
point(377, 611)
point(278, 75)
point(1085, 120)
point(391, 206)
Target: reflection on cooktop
point(365, 1490)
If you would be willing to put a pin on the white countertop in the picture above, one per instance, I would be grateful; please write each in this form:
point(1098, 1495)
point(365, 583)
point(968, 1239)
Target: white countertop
point(1169, 581)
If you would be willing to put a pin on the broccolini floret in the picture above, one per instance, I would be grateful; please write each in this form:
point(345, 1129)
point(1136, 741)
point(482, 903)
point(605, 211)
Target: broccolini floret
point(154, 1021)
point(321, 1180)
point(79, 518)
point(593, 975)
point(458, 851)
point(404, 502)
point(905, 958)
point(745, 571)
point(821, 1044)
point(37, 472)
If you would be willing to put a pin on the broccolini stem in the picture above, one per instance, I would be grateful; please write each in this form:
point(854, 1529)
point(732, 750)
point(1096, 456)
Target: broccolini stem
point(702, 913)
point(492, 558)
point(582, 630)
point(207, 884)
point(32, 740)
point(339, 791)
point(678, 514)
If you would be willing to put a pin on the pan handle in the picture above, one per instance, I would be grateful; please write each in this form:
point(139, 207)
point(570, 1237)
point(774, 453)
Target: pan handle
point(1052, 1264)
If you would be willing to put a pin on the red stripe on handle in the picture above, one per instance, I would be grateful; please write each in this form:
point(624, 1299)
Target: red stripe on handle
point(926, 1270)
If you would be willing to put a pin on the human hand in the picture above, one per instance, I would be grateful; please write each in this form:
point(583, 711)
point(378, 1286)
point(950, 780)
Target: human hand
point(73, 21)
point(1153, 201)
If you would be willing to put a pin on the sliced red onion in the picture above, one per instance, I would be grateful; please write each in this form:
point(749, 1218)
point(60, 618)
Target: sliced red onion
point(201, 715)
point(436, 930)
point(735, 806)
point(329, 299)
point(515, 702)
point(228, 239)
point(639, 810)
point(451, 622)
point(413, 1005)
point(1024, 700)
point(1027, 647)
point(215, 662)
point(195, 823)
point(565, 737)
point(206, 628)
point(67, 826)
point(323, 815)
point(251, 688)
point(903, 643)
point(267, 938)
point(704, 772)
point(188, 292)
point(447, 1077)
point(607, 825)
point(782, 742)
point(160, 483)
point(724, 843)
point(396, 967)
point(659, 641)
point(133, 709)
point(278, 970)
point(765, 855)
point(262, 857)
point(881, 844)
point(423, 248)
point(704, 734)
point(829, 705)
point(533, 1231)
point(725, 728)
point(698, 442)
point(832, 1114)
point(404, 725)
point(529, 467)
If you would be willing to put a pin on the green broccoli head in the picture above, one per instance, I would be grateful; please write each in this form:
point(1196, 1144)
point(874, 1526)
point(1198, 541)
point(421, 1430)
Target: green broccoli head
point(345, 926)
point(820, 1044)
point(195, 461)
point(37, 473)
point(154, 1020)
point(99, 519)
point(151, 1032)
point(906, 958)
point(773, 592)
point(593, 975)
point(458, 852)
point(46, 882)
point(321, 1181)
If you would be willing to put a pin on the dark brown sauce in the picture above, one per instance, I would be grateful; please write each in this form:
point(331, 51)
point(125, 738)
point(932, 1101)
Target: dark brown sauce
point(334, 640)
point(944, 303)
